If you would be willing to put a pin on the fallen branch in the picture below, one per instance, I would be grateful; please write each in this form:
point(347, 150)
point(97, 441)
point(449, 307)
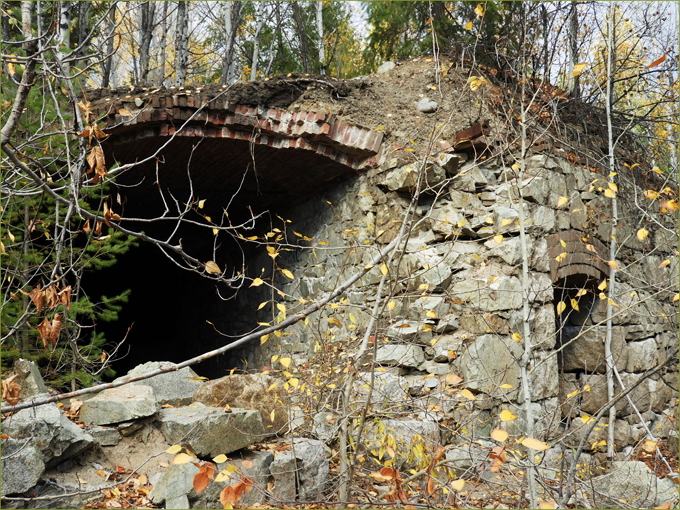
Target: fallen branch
point(211, 354)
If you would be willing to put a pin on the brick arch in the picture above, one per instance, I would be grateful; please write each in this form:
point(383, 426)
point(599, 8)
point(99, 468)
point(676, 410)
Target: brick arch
point(289, 156)
point(579, 259)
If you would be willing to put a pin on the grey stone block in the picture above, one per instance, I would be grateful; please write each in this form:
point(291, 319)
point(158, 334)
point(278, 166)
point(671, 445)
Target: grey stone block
point(210, 431)
point(119, 404)
point(22, 466)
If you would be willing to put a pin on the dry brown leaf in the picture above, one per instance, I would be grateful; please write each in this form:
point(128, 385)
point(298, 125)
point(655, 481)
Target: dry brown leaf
point(65, 297)
point(51, 296)
point(37, 296)
point(212, 268)
point(11, 390)
point(49, 330)
point(99, 134)
point(206, 472)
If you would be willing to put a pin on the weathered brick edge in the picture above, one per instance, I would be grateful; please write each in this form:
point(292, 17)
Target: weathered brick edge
point(354, 146)
point(579, 260)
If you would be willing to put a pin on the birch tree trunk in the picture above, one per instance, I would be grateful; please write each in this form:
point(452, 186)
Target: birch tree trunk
point(259, 16)
point(147, 24)
point(64, 32)
point(611, 71)
point(319, 30)
point(181, 44)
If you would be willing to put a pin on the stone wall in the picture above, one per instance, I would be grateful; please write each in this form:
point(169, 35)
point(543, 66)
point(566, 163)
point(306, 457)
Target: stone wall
point(455, 296)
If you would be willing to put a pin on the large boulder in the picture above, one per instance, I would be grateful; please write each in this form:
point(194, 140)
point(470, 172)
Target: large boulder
point(209, 431)
point(300, 473)
point(121, 404)
point(175, 388)
point(22, 466)
point(53, 434)
point(248, 391)
point(634, 483)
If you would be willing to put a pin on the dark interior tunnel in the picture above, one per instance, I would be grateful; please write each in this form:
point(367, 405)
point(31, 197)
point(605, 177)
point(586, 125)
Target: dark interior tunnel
point(167, 312)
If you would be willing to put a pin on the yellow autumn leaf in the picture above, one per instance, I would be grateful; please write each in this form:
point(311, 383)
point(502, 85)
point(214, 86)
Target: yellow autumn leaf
point(505, 222)
point(535, 444)
point(257, 282)
point(197, 378)
point(431, 314)
point(294, 382)
point(561, 201)
point(468, 394)
point(561, 256)
point(546, 505)
point(383, 269)
point(581, 292)
point(499, 435)
point(285, 362)
point(489, 220)
point(181, 458)
point(574, 304)
point(220, 459)
point(222, 476)
point(333, 320)
point(578, 69)
point(613, 187)
point(657, 170)
point(613, 264)
point(516, 166)
point(479, 10)
point(561, 306)
point(201, 203)
point(453, 379)
point(572, 394)
point(665, 263)
point(507, 415)
point(652, 195)
point(391, 305)
point(281, 307)
point(288, 274)
point(263, 339)
point(649, 445)
point(507, 386)
point(380, 128)
point(498, 238)
point(564, 245)
point(468, 25)
point(457, 485)
point(477, 81)
point(212, 268)
point(676, 297)
point(586, 419)
point(517, 337)
point(602, 285)
point(609, 193)
point(642, 234)
point(174, 449)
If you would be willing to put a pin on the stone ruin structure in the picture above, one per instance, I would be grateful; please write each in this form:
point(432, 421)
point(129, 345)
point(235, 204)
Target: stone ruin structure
point(345, 182)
